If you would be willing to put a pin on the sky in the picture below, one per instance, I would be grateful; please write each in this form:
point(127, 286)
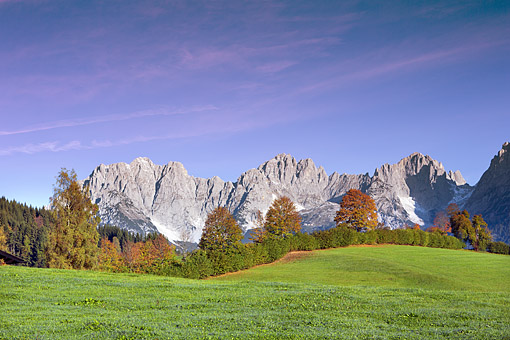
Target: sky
point(223, 86)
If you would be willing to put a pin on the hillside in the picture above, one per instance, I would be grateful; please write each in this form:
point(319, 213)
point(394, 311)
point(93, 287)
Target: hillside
point(387, 266)
point(65, 304)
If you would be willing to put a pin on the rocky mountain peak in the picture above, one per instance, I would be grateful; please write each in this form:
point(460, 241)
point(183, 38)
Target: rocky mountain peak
point(491, 197)
point(414, 163)
point(503, 153)
point(456, 177)
point(143, 197)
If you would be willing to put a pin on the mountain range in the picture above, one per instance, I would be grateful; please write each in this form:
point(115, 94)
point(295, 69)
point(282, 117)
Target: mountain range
point(145, 197)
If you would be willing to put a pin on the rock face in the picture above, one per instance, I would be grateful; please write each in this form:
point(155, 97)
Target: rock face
point(491, 197)
point(144, 197)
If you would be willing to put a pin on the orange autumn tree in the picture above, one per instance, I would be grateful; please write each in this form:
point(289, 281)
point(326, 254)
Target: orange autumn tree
point(110, 259)
point(282, 218)
point(441, 224)
point(357, 210)
point(221, 231)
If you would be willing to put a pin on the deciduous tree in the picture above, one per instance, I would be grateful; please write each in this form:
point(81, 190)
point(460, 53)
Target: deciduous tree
point(164, 251)
point(474, 231)
point(442, 223)
point(110, 258)
point(73, 237)
point(357, 210)
point(282, 218)
point(3, 239)
point(221, 231)
point(480, 236)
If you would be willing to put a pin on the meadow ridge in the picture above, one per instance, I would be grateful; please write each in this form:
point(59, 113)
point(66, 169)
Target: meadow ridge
point(408, 297)
point(387, 266)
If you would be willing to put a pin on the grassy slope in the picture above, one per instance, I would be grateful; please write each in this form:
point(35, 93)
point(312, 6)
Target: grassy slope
point(390, 266)
point(55, 304)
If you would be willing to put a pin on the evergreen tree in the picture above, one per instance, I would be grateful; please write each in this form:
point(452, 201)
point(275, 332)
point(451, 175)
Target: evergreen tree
point(73, 241)
point(25, 229)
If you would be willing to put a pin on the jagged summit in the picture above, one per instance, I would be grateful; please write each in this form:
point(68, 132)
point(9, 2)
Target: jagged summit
point(142, 196)
point(491, 197)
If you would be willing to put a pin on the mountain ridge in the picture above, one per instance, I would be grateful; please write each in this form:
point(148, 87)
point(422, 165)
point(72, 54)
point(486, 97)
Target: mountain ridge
point(142, 196)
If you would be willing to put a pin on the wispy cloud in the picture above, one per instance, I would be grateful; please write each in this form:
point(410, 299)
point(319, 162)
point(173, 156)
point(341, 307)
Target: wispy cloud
point(105, 119)
point(53, 146)
point(418, 61)
point(230, 122)
point(275, 67)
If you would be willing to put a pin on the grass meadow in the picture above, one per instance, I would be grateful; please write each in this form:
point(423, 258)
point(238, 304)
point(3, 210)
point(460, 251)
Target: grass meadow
point(388, 292)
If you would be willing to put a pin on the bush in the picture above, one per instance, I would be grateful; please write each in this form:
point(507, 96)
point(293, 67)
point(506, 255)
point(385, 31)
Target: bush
point(196, 266)
point(258, 253)
point(404, 236)
point(323, 239)
point(452, 242)
point(301, 241)
point(276, 248)
point(422, 238)
point(370, 237)
point(499, 248)
point(343, 236)
point(385, 236)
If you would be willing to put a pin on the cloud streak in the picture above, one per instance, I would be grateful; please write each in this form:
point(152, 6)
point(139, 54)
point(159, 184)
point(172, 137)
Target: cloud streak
point(106, 119)
point(228, 123)
point(417, 61)
point(31, 148)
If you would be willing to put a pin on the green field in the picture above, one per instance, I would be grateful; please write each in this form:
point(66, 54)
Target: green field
point(389, 266)
point(390, 292)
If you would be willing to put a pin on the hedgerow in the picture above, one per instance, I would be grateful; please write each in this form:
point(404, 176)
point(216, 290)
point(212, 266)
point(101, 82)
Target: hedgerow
point(201, 264)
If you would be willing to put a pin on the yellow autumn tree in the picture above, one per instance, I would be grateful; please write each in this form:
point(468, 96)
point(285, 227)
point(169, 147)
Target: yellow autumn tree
point(282, 218)
point(3, 239)
point(73, 236)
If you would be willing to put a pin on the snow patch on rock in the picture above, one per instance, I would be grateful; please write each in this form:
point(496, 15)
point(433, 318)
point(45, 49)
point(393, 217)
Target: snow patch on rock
point(410, 207)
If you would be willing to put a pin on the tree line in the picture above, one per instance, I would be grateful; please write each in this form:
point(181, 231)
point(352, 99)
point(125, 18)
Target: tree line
point(68, 235)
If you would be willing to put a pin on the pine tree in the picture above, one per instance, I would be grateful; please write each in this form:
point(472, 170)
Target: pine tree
point(73, 241)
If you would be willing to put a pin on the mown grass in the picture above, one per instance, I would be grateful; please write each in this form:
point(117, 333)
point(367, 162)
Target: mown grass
point(59, 304)
point(389, 266)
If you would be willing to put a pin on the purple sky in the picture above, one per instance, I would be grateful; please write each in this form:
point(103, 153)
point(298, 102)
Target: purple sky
point(225, 86)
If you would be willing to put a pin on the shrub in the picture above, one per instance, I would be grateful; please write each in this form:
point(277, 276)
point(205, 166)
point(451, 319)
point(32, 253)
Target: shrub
point(499, 248)
point(423, 238)
point(276, 248)
point(302, 241)
point(385, 236)
point(343, 236)
point(197, 266)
